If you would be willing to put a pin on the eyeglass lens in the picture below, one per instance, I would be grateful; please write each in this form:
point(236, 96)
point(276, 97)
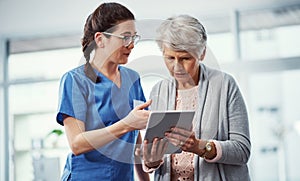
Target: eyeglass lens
point(130, 39)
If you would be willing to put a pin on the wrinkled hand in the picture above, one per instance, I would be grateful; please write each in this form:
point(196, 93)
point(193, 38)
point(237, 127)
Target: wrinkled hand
point(138, 117)
point(152, 156)
point(185, 139)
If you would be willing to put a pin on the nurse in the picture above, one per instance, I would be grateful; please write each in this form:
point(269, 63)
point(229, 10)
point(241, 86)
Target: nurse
point(96, 100)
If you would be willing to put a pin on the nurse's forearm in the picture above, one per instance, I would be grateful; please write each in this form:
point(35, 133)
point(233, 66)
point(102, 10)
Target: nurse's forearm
point(82, 141)
point(94, 139)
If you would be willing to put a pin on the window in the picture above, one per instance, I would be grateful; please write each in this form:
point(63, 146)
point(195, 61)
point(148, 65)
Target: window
point(33, 99)
point(274, 117)
point(43, 65)
point(222, 47)
point(280, 42)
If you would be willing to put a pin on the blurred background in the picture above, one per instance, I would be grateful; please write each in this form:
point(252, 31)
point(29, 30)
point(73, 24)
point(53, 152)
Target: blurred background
point(257, 41)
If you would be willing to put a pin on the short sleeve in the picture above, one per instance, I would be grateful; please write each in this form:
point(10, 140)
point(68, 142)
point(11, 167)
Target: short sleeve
point(72, 101)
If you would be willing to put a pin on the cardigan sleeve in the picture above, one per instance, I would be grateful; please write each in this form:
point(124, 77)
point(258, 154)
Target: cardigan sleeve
point(235, 150)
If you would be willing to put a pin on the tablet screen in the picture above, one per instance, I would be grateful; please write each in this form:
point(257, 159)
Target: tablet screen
point(161, 121)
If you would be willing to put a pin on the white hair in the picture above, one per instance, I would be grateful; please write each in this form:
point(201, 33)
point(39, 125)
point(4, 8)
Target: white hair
point(182, 33)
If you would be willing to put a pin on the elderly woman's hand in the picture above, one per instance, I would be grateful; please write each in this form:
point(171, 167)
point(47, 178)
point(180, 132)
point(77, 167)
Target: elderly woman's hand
point(185, 139)
point(152, 155)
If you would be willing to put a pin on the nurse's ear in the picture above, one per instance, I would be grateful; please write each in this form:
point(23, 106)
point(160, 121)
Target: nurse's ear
point(203, 54)
point(98, 37)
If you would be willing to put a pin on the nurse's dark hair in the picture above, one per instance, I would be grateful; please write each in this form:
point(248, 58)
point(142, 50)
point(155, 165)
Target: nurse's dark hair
point(104, 18)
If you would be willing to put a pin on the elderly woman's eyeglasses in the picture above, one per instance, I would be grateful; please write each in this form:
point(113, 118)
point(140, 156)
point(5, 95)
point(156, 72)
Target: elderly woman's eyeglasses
point(127, 40)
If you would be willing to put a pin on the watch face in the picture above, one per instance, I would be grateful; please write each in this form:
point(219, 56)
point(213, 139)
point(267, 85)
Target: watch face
point(208, 146)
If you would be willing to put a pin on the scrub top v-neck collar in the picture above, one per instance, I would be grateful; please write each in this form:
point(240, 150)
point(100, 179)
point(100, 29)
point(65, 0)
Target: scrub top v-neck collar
point(105, 79)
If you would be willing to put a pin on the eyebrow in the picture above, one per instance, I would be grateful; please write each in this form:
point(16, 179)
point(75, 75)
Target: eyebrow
point(128, 33)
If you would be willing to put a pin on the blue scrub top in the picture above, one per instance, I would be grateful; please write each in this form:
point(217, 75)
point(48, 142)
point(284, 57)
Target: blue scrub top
point(100, 105)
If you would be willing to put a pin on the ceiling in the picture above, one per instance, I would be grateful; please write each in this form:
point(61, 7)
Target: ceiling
point(61, 28)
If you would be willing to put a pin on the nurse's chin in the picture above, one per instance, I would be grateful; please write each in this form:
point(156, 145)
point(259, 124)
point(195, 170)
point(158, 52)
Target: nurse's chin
point(123, 61)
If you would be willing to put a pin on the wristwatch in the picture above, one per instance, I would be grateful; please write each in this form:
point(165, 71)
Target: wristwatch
point(207, 147)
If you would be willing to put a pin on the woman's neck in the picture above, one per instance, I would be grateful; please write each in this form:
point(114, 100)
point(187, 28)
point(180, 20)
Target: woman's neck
point(186, 85)
point(109, 69)
point(192, 82)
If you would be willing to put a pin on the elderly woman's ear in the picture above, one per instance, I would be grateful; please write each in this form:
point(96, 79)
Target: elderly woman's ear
point(203, 54)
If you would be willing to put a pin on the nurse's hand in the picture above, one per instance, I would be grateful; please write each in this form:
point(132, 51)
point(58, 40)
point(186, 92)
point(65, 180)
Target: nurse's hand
point(137, 119)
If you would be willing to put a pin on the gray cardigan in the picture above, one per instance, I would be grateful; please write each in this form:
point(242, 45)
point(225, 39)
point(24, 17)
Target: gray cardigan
point(221, 116)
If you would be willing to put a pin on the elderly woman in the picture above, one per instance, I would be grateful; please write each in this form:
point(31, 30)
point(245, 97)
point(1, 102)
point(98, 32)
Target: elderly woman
point(218, 147)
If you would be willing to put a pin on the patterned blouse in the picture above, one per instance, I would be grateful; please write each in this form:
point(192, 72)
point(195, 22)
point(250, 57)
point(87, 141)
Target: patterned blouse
point(182, 164)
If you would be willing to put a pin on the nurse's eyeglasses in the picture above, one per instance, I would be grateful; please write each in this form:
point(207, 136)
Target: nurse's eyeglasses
point(127, 40)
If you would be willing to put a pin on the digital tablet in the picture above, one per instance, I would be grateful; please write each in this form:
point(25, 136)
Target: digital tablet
point(161, 121)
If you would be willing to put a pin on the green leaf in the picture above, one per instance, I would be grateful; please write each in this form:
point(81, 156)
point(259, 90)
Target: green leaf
point(58, 132)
